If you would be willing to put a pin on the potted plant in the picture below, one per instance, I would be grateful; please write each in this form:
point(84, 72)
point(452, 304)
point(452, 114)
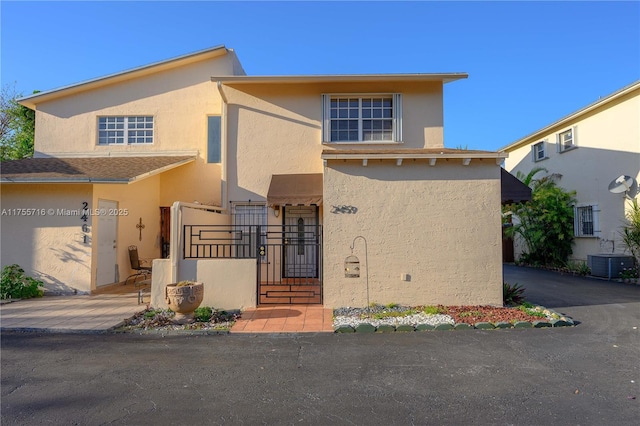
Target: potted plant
point(183, 298)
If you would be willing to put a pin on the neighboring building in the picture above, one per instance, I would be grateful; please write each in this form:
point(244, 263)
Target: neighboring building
point(589, 149)
point(266, 181)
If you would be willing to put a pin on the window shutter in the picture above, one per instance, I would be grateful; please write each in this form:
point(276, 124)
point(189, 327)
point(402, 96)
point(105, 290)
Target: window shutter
point(596, 220)
point(326, 114)
point(213, 139)
point(576, 222)
point(397, 117)
point(558, 149)
point(533, 153)
point(574, 135)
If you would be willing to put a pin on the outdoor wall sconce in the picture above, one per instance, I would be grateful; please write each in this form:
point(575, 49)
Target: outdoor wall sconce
point(352, 266)
point(276, 211)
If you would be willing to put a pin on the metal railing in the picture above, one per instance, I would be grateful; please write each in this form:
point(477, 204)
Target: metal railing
point(286, 255)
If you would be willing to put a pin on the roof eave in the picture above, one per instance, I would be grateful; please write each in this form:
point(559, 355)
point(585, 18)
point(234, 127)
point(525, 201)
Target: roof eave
point(563, 121)
point(62, 180)
point(32, 100)
point(399, 155)
point(338, 78)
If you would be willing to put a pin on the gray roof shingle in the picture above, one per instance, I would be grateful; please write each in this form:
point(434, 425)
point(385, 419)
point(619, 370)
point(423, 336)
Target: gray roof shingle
point(87, 169)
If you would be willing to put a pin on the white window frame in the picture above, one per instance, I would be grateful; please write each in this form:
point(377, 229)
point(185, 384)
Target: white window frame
point(396, 117)
point(129, 129)
point(586, 211)
point(560, 143)
point(535, 151)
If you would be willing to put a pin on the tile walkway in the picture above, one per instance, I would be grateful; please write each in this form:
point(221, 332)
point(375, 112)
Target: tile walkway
point(285, 319)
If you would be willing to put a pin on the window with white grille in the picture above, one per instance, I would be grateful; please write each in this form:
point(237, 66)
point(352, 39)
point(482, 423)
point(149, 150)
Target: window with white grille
point(566, 140)
point(362, 118)
point(125, 130)
point(539, 151)
point(586, 221)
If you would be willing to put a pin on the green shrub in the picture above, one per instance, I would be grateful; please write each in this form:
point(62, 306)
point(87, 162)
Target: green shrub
point(433, 310)
point(546, 222)
point(512, 294)
point(14, 284)
point(203, 314)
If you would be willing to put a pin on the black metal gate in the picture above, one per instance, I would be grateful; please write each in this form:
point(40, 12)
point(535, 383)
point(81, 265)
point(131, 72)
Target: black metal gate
point(288, 257)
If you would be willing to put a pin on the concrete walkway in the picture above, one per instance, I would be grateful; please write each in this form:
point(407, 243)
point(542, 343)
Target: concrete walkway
point(72, 314)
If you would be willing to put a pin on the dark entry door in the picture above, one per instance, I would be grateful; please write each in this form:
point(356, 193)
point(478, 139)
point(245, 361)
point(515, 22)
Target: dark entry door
point(301, 242)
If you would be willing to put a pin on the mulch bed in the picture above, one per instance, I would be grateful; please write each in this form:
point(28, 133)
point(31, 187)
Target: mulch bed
point(475, 314)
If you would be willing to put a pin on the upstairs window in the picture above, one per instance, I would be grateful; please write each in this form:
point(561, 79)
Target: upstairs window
point(539, 151)
point(366, 118)
point(125, 130)
point(566, 140)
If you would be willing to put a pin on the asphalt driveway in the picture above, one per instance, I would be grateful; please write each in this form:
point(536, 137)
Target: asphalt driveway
point(583, 375)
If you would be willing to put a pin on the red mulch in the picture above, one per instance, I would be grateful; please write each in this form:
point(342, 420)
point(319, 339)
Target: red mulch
point(474, 314)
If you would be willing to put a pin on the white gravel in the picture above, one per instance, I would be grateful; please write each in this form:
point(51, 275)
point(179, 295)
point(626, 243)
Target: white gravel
point(356, 316)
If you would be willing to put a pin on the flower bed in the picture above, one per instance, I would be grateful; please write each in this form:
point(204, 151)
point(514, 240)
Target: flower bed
point(404, 318)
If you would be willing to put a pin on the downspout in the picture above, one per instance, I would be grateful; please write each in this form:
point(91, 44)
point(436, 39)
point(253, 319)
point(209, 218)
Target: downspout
point(224, 195)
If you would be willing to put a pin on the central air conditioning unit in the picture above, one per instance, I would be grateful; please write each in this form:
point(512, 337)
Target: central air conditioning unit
point(609, 265)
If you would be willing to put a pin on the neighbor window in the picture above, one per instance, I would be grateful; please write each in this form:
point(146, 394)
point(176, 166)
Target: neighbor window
point(539, 151)
point(125, 130)
point(362, 118)
point(566, 140)
point(586, 221)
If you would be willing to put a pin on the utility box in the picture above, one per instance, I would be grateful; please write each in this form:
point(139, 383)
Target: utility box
point(609, 265)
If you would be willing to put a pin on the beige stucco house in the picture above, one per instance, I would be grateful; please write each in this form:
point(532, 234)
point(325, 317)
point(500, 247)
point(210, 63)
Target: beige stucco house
point(258, 186)
point(590, 149)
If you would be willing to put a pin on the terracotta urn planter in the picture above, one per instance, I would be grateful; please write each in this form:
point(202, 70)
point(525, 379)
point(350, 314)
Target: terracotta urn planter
point(183, 298)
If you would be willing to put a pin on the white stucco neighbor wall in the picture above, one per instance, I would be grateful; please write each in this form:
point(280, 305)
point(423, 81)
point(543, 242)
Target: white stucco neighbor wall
point(608, 145)
point(49, 244)
point(228, 283)
point(439, 225)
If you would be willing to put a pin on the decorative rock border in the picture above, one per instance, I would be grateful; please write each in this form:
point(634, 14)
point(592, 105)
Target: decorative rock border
point(561, 321)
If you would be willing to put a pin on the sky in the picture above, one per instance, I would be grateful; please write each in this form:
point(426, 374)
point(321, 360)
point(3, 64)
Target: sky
point(529, 63)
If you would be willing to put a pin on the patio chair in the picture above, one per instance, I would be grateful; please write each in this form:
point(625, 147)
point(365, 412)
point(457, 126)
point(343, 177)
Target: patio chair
point(137, 266)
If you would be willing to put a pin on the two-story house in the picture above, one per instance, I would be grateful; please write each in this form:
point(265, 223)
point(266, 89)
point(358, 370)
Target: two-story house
point(267, 183)
point(590, 149)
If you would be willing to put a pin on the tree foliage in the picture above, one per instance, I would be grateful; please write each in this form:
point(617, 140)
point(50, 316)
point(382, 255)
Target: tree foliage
point(546, 222)
point(631, 230)
point(17, 126)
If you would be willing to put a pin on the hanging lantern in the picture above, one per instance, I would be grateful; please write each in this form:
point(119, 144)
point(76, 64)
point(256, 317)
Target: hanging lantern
point(352, 267)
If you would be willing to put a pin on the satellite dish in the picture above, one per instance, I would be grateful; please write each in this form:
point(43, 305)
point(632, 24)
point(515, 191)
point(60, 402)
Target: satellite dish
point(621, 184)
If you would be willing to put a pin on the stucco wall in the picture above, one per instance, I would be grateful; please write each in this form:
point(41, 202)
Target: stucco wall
point(179, 99)
point(229, 283)
point(440, 225)
point(49, 244)
point(141, 200)
point(608, 140)
point(261, 118)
